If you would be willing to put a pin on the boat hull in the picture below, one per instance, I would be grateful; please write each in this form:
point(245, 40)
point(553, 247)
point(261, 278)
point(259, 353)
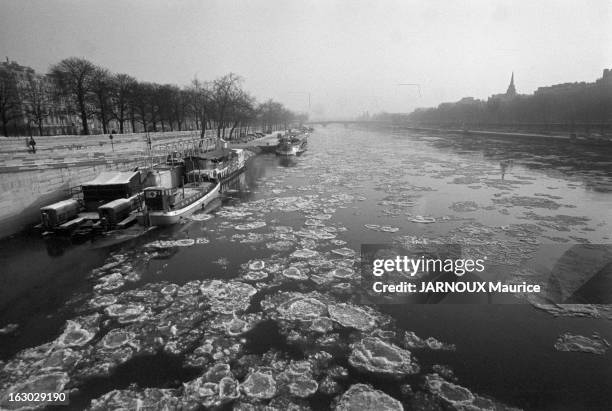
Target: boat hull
point(292, 150)
point(163, 218)
point(228, 174)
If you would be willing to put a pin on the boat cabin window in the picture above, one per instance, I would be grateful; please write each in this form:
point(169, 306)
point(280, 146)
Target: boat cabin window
point(159, 199)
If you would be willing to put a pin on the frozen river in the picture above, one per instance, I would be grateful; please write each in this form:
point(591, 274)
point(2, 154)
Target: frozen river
point(256, 301)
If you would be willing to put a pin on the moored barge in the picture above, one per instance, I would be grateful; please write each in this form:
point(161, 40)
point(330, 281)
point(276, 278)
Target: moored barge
point(109, 201)
point(292, 145)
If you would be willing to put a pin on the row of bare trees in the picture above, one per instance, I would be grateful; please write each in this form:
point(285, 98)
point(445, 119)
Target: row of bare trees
point(77, 87)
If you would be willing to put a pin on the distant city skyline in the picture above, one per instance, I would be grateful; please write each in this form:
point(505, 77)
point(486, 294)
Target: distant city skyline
point(341, 58)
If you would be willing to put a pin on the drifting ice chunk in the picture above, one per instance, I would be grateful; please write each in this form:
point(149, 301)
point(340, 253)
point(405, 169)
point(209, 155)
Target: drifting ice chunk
point(257, 265)
point(361, 397)
point(423, 220)
point(201, 217)
point(596, 344)
point(376, 356)
point(250, 226)
point(294, 273)
point(254, 276)
point(259, 385)
point(411, 340)
point(304, 253)
point(345, 252)
point(352, 316)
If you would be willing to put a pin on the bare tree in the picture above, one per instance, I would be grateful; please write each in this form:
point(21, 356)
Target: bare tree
point(142, 101)
point(241, 110)
point(38, 101)
point(74, 80)
point(271, 114)
point(163, 102)
point(179, 106)
point(225, 90)
point(101, 86)
point(201, 102)
point(9, 99)
point(122, 87)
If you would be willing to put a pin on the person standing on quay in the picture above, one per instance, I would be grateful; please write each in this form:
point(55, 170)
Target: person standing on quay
point(32, 144)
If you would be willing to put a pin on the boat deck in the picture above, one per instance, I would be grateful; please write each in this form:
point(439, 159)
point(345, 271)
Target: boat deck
point(192, 189)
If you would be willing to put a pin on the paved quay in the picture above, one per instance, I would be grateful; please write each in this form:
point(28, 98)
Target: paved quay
point(68, 151)
point(54, 152)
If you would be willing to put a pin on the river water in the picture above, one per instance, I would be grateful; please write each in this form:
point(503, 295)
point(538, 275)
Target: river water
point(267, 278)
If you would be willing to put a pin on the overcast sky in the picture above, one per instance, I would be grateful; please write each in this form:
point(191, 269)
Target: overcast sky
point(350, 55)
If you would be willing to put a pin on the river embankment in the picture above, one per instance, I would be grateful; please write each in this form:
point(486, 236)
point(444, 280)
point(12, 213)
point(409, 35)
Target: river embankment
point(29, 181)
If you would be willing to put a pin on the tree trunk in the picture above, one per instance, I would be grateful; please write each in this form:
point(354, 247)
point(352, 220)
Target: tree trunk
point(40, 128)
point(4, 125)
point(203, 121)
point(133, 122)
point(104, 127)
point(232, 130)
point(81, 101)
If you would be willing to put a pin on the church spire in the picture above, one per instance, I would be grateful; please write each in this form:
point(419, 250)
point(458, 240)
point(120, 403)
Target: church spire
point(511, 89)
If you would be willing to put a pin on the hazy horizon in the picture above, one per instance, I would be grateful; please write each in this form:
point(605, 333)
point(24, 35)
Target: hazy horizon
point(349, 56)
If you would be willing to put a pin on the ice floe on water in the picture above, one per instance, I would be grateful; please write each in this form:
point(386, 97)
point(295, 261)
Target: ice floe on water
point(250, 226)
point(575, 310)
point(304, 254)
point(382, 228)
point(595, 344)
point(76, 334)
point(411, 341)
point(464, 206)
point(254, 276)
point(227, 297)
point(259, 385)
point(344, 252)
point(352, 316)
point(528, 202)
point(163, 244)
point(460, 398)
point(362, 397)
point(376, 356)
point(201, 217)
point(257, 265)
point(294, 273)
point(9, 329)
point(422, 220)
point(148, 398)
